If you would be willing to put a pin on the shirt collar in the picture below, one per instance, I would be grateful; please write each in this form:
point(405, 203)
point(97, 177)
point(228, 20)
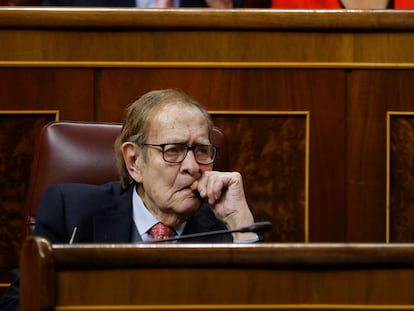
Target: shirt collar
point(143, 218)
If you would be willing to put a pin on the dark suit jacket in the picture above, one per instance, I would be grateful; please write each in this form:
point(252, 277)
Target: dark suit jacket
point(102, 214)
point(121, 3)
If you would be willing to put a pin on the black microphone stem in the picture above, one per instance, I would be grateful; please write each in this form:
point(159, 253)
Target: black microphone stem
point(258, 227)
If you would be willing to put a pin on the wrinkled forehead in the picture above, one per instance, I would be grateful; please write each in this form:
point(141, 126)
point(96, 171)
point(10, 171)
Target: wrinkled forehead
point(177, 119)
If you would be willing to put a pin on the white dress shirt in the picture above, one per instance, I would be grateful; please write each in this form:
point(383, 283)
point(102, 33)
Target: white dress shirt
point(144, 220)
point(151, 3)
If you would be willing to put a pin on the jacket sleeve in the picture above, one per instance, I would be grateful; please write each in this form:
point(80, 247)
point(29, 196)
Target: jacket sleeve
point(50, 216)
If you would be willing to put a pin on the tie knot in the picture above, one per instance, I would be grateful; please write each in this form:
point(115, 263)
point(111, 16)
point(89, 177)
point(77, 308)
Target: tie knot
point(163, 4)
point(161, 232)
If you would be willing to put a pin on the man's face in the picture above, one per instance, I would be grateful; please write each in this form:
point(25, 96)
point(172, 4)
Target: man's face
point(165, 187)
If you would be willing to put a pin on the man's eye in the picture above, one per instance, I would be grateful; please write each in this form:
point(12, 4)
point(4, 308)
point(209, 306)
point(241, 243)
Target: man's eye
point(203, 150)
point(173, 149)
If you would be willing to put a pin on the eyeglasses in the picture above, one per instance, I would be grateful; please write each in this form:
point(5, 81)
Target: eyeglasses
point(176, 153)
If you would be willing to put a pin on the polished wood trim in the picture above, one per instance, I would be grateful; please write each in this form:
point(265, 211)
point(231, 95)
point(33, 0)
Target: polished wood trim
point(55, 112)
point(237, 307)
point(222, 254)
point(387, 187)
point(167, 64)
point(307, 176)
point(271, 19)
point(41, 296)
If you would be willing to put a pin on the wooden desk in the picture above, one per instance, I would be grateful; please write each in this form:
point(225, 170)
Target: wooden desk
point(216, 277)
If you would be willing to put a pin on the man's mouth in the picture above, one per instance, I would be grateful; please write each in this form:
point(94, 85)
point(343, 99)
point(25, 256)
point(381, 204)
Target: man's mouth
point(188, 188)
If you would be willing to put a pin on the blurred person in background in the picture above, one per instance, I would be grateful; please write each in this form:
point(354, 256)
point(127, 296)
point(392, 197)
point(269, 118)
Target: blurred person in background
point(343, 4)
point(217, 4)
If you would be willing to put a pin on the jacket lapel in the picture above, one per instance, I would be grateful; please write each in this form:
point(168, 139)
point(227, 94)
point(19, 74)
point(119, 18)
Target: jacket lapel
point(115, 223)
point(198, 224)
point(203, 221)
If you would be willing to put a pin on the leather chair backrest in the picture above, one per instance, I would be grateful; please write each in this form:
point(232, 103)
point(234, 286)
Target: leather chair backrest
point(83, 152)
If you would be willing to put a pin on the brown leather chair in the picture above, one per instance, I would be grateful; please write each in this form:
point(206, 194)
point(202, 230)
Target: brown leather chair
point(82, 152)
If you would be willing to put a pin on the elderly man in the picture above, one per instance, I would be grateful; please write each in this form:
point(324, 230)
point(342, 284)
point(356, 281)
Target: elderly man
point(167, 187)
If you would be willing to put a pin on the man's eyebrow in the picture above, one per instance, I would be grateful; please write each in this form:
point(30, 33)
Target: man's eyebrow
point(178, 140)
point(193, 144)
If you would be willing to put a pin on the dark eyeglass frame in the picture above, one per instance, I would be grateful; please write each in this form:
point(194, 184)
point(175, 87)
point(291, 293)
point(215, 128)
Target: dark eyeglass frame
point(187, 148)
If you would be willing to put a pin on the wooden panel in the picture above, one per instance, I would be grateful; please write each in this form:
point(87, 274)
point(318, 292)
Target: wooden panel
point(371, 94)
point(233, 288)
point(370, 48)
point(270, 150)
point(217, 277)
point(328, 202)
point(217, 88)
point(25, 93)
point(313, 36)
point(365, 155)
point(16, 156)
point(172, 46)
point(69, 90)
point(401, 196)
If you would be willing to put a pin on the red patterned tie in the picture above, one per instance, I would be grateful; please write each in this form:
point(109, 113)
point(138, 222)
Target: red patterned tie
point(163, 4)
point(161, 232)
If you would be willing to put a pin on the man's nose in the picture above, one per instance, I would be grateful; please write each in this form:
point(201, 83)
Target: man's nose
point(190, 162)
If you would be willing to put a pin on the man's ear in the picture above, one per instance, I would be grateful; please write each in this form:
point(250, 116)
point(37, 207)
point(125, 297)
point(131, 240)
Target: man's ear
point(133, 160)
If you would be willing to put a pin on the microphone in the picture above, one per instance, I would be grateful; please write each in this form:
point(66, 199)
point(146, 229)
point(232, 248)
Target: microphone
point(72, 237)
point(257, 227)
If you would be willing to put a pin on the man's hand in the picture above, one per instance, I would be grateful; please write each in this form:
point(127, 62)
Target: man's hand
point(225, 193)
